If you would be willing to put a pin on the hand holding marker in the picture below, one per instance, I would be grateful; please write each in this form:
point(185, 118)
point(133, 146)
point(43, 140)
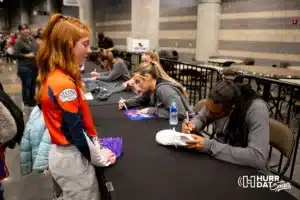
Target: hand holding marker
point(124, 105)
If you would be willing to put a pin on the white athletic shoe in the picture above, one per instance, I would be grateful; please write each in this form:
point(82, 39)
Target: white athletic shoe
point(172, 138)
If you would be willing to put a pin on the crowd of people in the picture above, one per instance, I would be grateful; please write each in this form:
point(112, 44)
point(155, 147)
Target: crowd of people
point(51, 63)
point(21, 48)
point(7, 43)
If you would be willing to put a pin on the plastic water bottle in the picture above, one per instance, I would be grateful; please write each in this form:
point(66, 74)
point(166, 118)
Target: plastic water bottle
point(173, 113)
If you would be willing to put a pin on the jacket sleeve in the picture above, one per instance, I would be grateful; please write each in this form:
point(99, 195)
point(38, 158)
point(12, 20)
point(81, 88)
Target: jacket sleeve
point(104, 73)
point(166, 93)
point(255, 154)
point(97, 155)
point(25, 153)
point(139, 100)
point(202, 119)
point(72, 126)
point(18, 50)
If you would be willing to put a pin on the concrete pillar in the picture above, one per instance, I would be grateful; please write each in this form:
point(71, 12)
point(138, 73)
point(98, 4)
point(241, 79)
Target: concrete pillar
point(145, 21)
point(86, 15)
point(208, 25)
point(24, 14)
point(50, 7)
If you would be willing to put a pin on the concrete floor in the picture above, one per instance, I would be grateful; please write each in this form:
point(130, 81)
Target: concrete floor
point(39, 186)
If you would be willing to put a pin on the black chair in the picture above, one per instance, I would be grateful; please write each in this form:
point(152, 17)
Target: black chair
point(175, 55)
point(169, 66)
point(249, 61)
point(284, 64)
point(283, 139)
point(227, 64)
point(169, 54)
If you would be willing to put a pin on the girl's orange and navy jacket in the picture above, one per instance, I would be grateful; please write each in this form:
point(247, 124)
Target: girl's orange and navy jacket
point(66, 112)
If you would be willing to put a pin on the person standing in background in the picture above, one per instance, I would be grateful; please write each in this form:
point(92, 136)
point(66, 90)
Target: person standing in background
point(2, 43)
point(38, 35)
point(25, 49)
point(118, 70)
point(11, 41)
point(104, 42)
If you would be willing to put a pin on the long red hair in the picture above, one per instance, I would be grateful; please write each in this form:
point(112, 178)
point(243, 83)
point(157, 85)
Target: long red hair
point(56, 49)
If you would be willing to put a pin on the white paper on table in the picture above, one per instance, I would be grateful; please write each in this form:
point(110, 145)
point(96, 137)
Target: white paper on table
point(88, 96)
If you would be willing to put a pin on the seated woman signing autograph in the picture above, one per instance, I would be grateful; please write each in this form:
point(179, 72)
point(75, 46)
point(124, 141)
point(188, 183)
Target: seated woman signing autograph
point(119, 71)
point(241, 122)
point(146, 58)
point(158, 90)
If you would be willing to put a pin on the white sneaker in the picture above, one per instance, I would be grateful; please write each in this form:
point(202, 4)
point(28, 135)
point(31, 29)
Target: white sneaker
point(172, 138)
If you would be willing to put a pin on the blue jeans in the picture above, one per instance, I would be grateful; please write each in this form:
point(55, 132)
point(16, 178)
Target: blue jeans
point(28, 79)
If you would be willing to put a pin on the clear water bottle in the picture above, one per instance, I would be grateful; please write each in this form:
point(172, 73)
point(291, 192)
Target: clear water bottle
point(173, 113)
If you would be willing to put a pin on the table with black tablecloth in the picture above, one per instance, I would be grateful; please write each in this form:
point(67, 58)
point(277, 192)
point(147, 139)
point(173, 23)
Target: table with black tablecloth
point(148, 170)
point(113, 99)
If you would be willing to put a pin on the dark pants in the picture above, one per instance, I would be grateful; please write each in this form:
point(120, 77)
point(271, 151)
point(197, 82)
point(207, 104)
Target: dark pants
point(9, 58)
point(28, 79)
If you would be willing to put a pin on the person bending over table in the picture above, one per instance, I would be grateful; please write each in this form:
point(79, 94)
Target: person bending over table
point(158, 90)
point(118, 72)
point(146, 58)
point(241, 122)
point(73, 154)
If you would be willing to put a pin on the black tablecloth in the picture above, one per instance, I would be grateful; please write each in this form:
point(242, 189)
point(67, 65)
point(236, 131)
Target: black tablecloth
point(150, 171)
point(113, 99)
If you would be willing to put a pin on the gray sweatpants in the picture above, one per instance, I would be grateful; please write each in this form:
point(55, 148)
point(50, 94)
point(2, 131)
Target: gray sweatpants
point(73, 173)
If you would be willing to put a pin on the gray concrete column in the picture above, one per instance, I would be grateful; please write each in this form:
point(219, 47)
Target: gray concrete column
point(86, 15)
point(24, 14)
point(51, 7)
point(208, 25)
point(145, 21)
